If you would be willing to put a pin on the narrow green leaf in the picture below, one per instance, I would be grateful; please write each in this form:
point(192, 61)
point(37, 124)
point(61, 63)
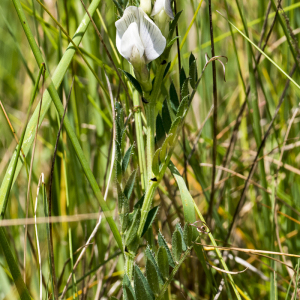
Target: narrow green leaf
point(126, 159)
point(162, 242)
point(156, 162)
point(176, 245)
point(141, 286)
point(166, 118)
point(129, 185)
point(152, 276)
point(134, 82)
point(150, 218)
point(174, 98)
point(131, 232)
point(163, 262)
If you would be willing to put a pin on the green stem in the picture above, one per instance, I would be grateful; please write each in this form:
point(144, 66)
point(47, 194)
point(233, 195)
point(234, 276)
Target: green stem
point(151, 122)
point(72, 136)
point(129, 260)
point(140, 139)
point(150, 148)
point(147, 205)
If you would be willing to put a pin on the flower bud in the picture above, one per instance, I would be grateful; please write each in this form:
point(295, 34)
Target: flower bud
point(162, 14)
point(145, 5)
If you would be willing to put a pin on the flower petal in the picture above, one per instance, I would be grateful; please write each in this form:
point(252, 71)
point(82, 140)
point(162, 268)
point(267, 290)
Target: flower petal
point(152, 38)
point(130, 39)
point(131, 15)
point(168, 9)
point(158, 6)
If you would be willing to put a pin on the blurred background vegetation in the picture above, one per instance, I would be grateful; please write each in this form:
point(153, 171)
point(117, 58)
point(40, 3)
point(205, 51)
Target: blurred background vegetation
point(269, 217)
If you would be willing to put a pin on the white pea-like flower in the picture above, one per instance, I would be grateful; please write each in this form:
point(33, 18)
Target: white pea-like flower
point(140, 41)
point(162, 14)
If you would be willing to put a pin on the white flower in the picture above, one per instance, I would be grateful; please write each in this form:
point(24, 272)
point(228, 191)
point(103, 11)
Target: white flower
point(136, 29)
point(145, 5)
point(162, 6)
point(140, 41)
point(162, 14)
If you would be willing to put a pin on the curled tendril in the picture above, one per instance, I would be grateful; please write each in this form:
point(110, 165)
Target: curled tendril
point(201, 229)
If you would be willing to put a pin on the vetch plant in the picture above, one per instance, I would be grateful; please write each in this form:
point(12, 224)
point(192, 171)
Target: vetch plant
point(140, 41)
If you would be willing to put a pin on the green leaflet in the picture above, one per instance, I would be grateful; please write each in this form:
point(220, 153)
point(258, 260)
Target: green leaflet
point(150, 256)
point(162, 242)
point(166, 118)
point(156, 162)
point(182, 78)
point(160, 131)
point(163, 262)
point(175, 125)
point(188, 235)
point(165, 147)
point(185, 88)
point(193, 71)
point(178, 227)
point(134, 82)
point(127, 289)
point(129, 185)
point(176, 245)
point(126, 159)
point(173, 26)
point(123, 208)
point(141, 286)
point(187, 201)
point(183, 107)
point(150, 218)
point(173, 97)
point(152, 276)
point(131, 233)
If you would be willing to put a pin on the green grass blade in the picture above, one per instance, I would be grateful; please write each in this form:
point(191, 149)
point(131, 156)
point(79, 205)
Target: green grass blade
point(13, 267)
